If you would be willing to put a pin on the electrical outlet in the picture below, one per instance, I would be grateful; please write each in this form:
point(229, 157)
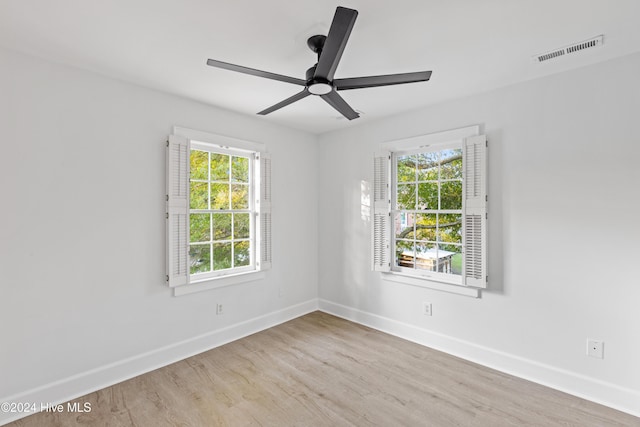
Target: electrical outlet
point(219, 309)
point(426, 309)
point(595, 348)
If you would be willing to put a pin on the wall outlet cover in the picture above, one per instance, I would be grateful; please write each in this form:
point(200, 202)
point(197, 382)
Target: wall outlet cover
point(427, 309)
point(595, 348)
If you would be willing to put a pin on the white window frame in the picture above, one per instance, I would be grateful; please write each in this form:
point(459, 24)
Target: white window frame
point(474, 211)
point(178, 186)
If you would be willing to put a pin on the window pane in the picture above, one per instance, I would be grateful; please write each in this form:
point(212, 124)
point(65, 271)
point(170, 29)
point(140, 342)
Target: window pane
point(222, 226)
point(239, 196)
point(240, 169)
point(426, 256)
point(219, 167)
point(221, 256)
point(451, 164)
point(451, 247)
point(405, 256)
point(451, 195)
point(450, 229)
point(199, 165)
point(200, 258)
point(428, 167)
point(219, 196)
point(406, 196)
point(241, 254)
point(450, 259)
point(428, 195)
point(406, 166)
point(426, 227)
point(198, 196)
point(241, 226)
point(403, 224)
point(200, 230)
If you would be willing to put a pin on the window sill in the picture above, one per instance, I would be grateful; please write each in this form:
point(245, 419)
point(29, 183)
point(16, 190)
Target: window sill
point(218, 282)
point(424, 282)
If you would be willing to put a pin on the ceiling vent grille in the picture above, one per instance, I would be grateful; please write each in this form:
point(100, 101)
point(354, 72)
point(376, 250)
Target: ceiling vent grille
point(567, 50)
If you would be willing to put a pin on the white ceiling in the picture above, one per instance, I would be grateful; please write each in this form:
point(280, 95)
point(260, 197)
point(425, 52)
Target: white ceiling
point(471, 45)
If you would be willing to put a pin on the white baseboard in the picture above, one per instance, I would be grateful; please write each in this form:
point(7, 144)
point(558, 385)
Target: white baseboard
point(87, 382)
point(608, 394)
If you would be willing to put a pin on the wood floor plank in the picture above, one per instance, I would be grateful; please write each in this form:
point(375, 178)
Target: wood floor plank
point(319, 370)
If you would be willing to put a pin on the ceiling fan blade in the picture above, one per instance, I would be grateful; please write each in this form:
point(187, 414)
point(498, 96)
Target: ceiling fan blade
point(374, 81)
point(334, 45)
point(254, 72)
point(340, 104)
point(297, 97)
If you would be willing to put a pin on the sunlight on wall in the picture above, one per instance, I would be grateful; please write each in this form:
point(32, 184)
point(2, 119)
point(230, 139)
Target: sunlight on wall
point(355, 250)
point(365, 201)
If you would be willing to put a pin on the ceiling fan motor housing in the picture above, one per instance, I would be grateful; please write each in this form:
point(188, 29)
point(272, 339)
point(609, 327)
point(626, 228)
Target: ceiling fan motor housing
point(317, 85)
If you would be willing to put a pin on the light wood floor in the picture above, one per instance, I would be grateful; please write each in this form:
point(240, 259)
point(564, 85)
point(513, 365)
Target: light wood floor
point(319, 370)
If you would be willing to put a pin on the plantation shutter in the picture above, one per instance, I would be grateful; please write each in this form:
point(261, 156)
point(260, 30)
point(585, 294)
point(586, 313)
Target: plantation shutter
point(264, 215)
point(177, 210)
point(381, 207)
point(475, 212)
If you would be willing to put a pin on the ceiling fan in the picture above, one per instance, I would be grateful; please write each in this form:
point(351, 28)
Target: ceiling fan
point(319, 78)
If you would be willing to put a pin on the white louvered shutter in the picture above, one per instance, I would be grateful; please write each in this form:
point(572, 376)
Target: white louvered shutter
point(177, 211)
point(475, 211)
point(264, 215)
point(381, 207)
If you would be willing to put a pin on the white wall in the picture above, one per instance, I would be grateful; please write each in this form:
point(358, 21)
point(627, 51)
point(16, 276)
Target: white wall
point(563, 203)
point(82, 225)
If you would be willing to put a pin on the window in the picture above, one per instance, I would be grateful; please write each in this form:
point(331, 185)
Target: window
point(221, 211)
point(427, 210)
point(430, 211)
point(218, 210)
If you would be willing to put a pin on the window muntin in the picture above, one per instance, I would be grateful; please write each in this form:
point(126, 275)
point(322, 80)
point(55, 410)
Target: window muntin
point(221, 211)
point(427, 208)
